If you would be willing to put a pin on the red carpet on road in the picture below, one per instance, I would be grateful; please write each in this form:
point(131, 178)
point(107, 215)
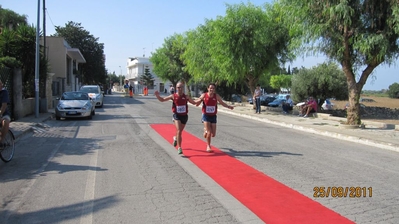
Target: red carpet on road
point(270, 200)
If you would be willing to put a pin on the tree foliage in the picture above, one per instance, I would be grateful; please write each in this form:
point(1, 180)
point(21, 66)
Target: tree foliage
point(147, 78)
point(167, 61)
point(323, 81)
point(358, 34)
point(18, 50)
point(280, 81)
point(393, 90)
point(10, 19)
point(93, 71)
point(114, 78)
point(240, 47)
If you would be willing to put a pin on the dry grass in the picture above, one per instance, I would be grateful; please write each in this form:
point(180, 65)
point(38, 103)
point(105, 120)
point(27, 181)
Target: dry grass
point(379, 102)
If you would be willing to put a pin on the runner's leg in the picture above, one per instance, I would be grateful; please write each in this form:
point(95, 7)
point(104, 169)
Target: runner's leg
point(207, 127)
point(213, 127)
point(179, 128)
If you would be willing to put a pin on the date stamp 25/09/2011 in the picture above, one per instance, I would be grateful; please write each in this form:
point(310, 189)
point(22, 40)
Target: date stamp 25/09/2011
point(342, 192)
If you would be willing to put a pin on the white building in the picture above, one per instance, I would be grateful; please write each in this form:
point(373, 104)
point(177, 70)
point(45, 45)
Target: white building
point(135, 69)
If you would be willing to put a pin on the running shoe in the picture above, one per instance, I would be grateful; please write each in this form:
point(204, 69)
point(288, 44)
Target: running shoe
point(179, 151)
point(174, 141)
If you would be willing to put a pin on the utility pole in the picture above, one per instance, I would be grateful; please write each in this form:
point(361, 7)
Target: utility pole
point(37, 61)
point(44, 48)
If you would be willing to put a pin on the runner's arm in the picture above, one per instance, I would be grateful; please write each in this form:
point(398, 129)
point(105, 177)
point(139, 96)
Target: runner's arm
point(199, 100)
point(223, 103)
point(163, 99)
point(191, 101)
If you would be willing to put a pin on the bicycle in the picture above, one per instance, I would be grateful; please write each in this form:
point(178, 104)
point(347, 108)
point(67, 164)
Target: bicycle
point(8, 148)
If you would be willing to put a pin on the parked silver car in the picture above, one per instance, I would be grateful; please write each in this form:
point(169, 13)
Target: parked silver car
point(75, 104)
point(95, 93)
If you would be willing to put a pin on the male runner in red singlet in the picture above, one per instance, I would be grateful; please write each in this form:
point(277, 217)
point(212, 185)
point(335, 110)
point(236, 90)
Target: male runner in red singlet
point(180, 112)
point(209, 111)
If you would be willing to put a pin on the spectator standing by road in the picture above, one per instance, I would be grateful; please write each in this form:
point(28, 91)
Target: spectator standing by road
point(4, 113)
point(309, 107)
point(209, 111)
point(180, 112)
point(287, 105)
point(126, 86)
point(171, 89)
point(256, 98)
point(131, 90)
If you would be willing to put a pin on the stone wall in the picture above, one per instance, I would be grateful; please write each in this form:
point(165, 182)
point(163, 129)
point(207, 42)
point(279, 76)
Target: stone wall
point(366, 112)
point(28, 107)
point(369, 112)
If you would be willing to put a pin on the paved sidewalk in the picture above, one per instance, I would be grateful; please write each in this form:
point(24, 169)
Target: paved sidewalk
point(27, 124)
point(381, 135)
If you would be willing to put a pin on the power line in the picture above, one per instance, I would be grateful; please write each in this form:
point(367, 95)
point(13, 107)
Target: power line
point(50, 18)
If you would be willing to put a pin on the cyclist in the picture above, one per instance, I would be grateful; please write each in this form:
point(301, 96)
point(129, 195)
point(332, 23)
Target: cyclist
point(4, 113)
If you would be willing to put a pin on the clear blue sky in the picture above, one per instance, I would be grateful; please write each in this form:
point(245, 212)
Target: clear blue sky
point(130, 28)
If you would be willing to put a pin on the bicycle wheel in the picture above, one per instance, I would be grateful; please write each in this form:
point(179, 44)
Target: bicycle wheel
point(7, 152)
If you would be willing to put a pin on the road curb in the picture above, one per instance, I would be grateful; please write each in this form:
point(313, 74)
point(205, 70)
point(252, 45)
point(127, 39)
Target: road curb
point(363, 141)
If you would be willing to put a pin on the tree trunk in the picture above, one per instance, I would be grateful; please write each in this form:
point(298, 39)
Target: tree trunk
point(353, 111)
point(354, 90)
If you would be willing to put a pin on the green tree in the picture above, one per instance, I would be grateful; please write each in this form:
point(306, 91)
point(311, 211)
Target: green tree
point(114, 78)
point(280, 81)
point(167, 60)
point(359, 35)
point(18, 50)
point(393, 90)
point(322, 81)
point(93, 71)
point(240, 47)
point(10, 19)
point(147, 78)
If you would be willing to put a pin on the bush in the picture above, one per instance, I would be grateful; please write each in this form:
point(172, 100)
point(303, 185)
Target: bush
point(393, 90)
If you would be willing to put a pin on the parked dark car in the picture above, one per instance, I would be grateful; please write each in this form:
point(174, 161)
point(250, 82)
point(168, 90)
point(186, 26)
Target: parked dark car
point(236, 98)
point(276, 103)
point(266, 99)
point(250, 100)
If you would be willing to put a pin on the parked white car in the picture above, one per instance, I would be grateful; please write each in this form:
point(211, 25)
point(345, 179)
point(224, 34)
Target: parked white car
point(95, 94)
point(327, 105)
point(75, 104)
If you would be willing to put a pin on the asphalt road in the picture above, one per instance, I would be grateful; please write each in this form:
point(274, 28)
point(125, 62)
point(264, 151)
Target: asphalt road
point(114, 169)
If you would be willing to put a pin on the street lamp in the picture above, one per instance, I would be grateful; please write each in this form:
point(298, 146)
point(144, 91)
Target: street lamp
point(120, 78)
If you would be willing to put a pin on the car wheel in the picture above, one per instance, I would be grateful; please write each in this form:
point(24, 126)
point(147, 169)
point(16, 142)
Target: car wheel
point(101, 105)
point(93, 112)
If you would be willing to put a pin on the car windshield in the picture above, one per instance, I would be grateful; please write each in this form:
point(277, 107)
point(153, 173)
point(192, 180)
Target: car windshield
point(74, 96)
point(89, 89)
